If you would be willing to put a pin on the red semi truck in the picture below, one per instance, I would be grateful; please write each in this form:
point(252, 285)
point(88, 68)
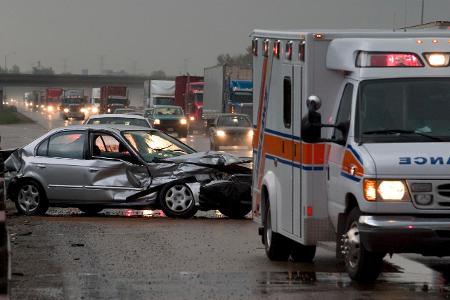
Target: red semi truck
point(53, 98)
point(189, 95)
point(112, 98)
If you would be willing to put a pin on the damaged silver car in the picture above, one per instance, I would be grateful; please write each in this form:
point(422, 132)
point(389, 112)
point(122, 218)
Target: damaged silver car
point(93, 167)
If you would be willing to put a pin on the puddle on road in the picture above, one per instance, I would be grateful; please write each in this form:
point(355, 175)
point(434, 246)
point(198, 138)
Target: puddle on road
point(129, 213)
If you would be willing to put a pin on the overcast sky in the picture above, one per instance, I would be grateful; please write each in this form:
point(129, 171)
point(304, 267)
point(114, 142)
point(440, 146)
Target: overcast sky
point(173, 35)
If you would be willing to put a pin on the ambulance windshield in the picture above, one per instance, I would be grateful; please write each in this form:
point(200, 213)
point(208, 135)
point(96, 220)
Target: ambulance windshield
point(403, 110)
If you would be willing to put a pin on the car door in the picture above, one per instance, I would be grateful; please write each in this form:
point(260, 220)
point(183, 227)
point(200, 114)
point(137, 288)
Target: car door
point(337, 151)
point(113, 172)
point(60, 163)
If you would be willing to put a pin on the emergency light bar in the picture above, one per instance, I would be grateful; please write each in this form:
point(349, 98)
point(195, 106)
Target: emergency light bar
point(388, 60)
point(437, 59)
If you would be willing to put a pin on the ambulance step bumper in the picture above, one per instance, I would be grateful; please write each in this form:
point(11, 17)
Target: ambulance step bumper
point(406, 234)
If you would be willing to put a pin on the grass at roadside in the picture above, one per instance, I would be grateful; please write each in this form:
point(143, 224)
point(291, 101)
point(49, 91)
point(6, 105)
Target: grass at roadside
point(9, 115)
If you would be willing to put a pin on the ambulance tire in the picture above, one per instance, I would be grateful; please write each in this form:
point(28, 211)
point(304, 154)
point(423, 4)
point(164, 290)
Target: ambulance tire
point(301, 253)
point(278, 247)
point(362, 265)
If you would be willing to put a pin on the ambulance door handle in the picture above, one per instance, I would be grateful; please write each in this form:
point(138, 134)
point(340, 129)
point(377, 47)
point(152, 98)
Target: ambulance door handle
point(275, 162)
point(328, 172)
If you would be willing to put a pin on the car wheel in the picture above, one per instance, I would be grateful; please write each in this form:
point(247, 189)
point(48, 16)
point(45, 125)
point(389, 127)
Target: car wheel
point(31, 199)
point(238, 212)
point(90, 210)
point(177, 201)
point(183, 133)
point(302, 253)
point(361, 264)
point(278, 247)
point(213, 146)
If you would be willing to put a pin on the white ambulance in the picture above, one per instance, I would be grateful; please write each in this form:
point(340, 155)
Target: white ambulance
point(352, 144)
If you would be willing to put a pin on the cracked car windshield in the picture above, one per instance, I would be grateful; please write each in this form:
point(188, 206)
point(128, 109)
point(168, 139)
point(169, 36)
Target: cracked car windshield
point(155, 145)
point(409, 110)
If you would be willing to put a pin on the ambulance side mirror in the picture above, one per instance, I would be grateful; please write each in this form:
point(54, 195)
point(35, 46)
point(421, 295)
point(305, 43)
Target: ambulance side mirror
point(313, 103)
point(311, 123)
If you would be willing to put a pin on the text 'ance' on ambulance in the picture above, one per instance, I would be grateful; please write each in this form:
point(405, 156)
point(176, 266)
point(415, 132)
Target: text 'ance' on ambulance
point(352, 144)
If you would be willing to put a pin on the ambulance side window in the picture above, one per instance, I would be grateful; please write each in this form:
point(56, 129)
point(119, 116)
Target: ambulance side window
point(344, 113)
point(287, 102)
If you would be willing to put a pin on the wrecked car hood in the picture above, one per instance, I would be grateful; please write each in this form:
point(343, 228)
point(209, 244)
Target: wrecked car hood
point(211, 158)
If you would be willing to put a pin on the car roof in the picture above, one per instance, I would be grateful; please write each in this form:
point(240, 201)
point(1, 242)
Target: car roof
point(168, 106)
point(126, 116)
point(107, 127)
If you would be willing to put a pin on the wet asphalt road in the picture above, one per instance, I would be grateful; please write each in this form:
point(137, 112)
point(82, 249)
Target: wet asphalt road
point(128, 254)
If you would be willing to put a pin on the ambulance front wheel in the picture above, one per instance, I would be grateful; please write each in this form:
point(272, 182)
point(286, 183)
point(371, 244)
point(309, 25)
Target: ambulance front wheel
point(278, 247)
point(361, 264)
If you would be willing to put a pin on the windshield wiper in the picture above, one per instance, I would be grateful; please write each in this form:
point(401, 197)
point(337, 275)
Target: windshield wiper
point(402, 131)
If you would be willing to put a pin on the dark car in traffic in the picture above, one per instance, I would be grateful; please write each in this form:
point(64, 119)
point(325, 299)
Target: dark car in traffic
point(231, 130)
point(93, 167)
point(168, 118)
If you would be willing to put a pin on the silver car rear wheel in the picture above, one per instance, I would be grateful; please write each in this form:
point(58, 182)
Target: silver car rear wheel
point(178, 201)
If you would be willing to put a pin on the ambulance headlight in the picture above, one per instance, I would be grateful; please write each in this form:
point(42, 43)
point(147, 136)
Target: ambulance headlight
point(392, 190)
point(438, 59)
point(385, 190)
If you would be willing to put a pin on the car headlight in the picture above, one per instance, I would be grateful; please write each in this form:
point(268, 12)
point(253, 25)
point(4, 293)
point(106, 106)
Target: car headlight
point(385, 190)
point(109, 110)
point(250, 133)
point(83, 110)
point(220, 133)
point(66, 110)
point(192, 118)
point(50, 108)
point(183, 121)
point(95, 110)
point(156, 122)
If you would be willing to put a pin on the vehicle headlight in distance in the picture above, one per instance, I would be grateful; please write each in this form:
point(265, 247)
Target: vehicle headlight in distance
point(109, 109)
point(183, 121)
point(83, 110)
point(95, 110)
point(50, 108)
point(192, 118)
point(66, 110)
point(220, 133)
point(250, 133)
point(157, 122)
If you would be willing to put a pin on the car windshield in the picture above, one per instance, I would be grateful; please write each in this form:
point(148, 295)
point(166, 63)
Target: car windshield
point(72, 101)
point(153, 145)
point(119, 121)
point(242, 97)
point(233, 121)
point(117, 101)
point(123, 111)
point(164, 101)
point(168, 111)
point(404, 110)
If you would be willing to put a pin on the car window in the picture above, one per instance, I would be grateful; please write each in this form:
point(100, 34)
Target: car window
point(67, 145)
point(168, 111)
point(105, 145)
point(233, 121)
point(43, 147)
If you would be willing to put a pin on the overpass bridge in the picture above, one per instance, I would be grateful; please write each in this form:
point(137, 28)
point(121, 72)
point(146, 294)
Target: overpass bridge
point(66, 80)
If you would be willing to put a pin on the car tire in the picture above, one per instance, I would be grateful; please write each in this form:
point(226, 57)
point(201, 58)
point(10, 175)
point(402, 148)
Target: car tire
point(183, 133)
point(362, 265)
point(302, 253)
point(30, 198)
point(177, 201)
point(238, 212)
point(278, 247)
point(213, 146)
point(90, 210)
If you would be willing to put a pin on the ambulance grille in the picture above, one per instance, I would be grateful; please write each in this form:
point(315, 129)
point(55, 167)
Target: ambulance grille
point(444, 190)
